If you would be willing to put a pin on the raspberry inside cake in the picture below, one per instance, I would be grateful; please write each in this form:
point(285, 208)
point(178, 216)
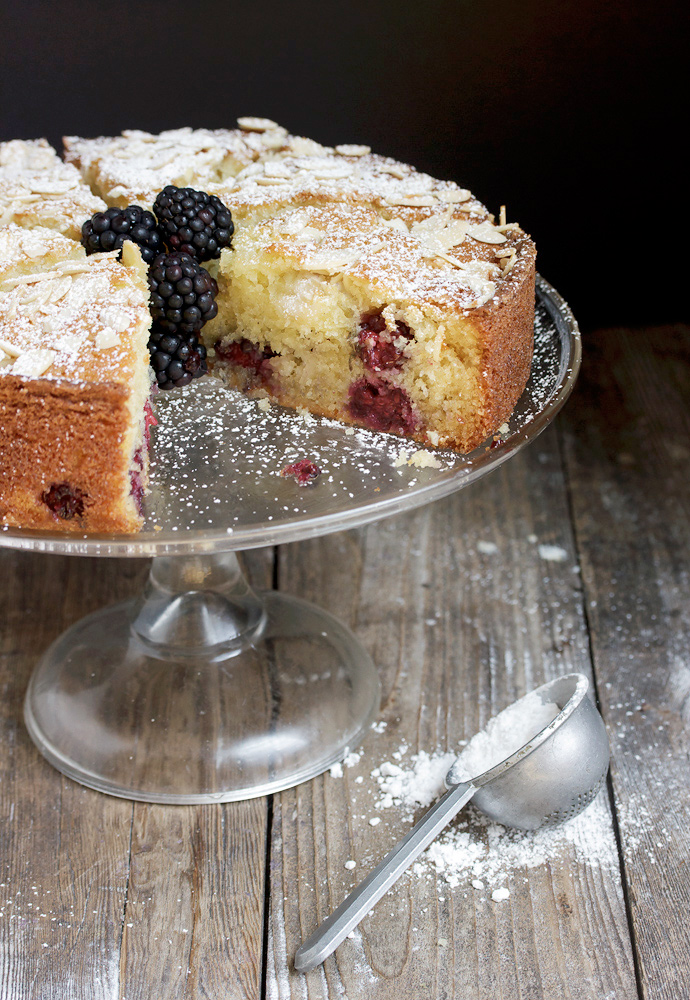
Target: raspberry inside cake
point(355, 317)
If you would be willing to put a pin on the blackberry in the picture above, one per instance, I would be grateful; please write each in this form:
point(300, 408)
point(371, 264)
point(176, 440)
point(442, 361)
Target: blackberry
point(182, 294)
point(176, 359)
point(193, 222)
point(108, 231)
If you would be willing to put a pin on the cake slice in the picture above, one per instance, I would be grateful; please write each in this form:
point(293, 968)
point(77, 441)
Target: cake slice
point(38, 189)
point(74, 384)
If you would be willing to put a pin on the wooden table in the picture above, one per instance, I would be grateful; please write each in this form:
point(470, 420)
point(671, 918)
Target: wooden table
point(103, 898)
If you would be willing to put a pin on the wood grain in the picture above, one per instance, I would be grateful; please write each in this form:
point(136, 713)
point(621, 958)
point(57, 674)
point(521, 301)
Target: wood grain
point(100, 897)
point(458, 633)
point(65, 849)
point(628, 452)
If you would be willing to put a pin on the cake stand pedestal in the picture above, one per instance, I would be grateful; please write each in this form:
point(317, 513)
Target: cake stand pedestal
point(201, 689)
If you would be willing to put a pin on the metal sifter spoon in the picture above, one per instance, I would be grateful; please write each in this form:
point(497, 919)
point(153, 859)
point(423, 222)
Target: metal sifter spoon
point(550, 779)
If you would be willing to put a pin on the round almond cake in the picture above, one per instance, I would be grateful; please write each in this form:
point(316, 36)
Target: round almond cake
point(353, 286)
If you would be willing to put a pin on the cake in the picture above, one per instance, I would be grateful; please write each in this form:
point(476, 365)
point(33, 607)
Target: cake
point(74, 384)
point(355, 287)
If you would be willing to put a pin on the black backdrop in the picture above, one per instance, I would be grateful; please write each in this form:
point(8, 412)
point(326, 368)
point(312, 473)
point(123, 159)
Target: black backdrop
point(571, 113)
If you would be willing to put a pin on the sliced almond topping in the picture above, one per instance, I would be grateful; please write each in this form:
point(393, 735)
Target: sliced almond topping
point(412, 201)
point(502, 216)
point(32, 364)
point(131, 257)
point(486, 232)
point(106, 338)
point(54, 189)
point(333, 173)
point(10, 349)
point(396, 224)
point(276, 168)
point(399, 172)
point(250, 124)
point(270, 181)
point(352, 149)
point(453, 196)
point(307, 147)
point(116, 318)
point(440, 232)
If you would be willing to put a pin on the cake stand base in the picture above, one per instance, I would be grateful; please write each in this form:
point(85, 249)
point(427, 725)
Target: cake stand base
point(201, 690)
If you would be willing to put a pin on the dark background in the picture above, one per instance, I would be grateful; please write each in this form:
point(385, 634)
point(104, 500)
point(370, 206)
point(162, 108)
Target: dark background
point(571, 114)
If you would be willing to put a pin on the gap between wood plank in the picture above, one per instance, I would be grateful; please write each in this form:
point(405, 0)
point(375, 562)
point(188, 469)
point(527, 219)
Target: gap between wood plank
point(275, 582)
point(595, 684)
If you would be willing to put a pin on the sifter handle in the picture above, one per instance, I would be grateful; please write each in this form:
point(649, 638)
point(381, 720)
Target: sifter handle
point(338, 925)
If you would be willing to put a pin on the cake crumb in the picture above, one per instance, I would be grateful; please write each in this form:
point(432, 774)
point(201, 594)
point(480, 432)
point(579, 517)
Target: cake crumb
point(265, 404)
point(423, 459)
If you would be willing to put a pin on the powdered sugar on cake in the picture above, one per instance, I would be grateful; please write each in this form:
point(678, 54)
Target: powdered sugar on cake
point(64, 315)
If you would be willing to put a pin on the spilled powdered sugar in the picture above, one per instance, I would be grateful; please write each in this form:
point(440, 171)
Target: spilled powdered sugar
point(475, 853)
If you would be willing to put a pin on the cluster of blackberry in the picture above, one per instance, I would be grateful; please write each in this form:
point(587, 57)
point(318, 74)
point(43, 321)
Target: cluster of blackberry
point(185, 228)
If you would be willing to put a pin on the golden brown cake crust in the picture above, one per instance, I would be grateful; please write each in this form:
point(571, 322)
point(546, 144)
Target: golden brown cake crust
point(74, 379)
point(63, 434)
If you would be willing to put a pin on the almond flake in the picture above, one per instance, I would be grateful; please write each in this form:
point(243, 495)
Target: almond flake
point(486, 232)
point(394, 171)
point(56, 189)
point(396, 224)
point(10, 349)
point(115, 318)
point(32, 364)
point(249, 124)
point(270, 181)
point(440, 232)
point(332, 173)
point(106, 338)
point(352, 149)
point(412, 201)
point(453, 196)
point(276, 168)
point(300, 146)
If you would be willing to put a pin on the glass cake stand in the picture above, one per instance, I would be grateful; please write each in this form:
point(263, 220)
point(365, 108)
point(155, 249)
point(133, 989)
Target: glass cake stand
point(201, 689)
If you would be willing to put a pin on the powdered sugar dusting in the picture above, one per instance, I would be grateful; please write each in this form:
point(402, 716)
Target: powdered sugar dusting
point(474, 852)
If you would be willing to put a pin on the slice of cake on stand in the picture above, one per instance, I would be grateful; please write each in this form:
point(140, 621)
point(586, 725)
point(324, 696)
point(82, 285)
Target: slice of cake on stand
point(74, 384)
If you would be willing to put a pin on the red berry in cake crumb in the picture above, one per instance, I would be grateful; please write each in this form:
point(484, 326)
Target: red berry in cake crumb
point(182, 293)
point(247, 355)
point(108, 231)
point(379, 348)
point(176, 359)
point(64, 500)
point(381, 406)
point(304, 472)
point(193, 222)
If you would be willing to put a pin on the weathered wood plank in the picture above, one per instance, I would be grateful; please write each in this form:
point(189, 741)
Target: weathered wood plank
point(102, 898)
point(628, 458)
point(458, 633)
point(65, 849)
point(194, 920)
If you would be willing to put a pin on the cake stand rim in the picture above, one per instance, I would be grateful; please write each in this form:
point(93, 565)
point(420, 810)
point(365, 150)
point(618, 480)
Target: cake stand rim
point(198, 542)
